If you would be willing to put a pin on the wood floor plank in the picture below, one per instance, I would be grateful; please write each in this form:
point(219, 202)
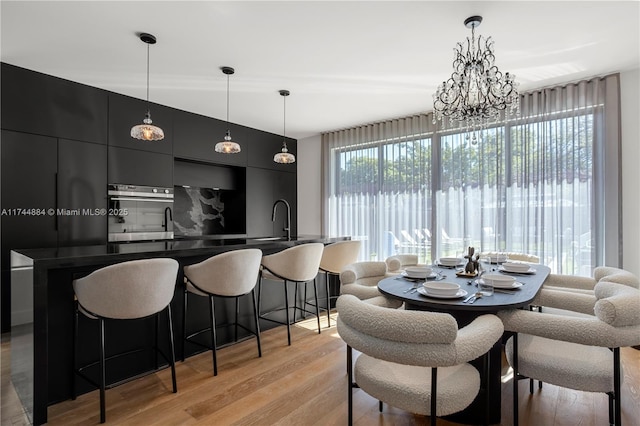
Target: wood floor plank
point(301, 384)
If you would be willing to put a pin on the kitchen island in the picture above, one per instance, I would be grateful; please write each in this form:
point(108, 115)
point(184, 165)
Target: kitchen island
point(42, 351)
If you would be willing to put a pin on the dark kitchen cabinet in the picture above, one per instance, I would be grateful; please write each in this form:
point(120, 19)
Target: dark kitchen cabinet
point(41, 104)
point(195, 137)
point(28, 166)
point(134, 167)
point(264, 187)
point(264, 146)
point(126, 112)
point(82, 189)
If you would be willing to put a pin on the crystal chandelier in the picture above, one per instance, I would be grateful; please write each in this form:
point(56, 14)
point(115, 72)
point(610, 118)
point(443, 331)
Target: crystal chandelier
point(227, 146)
point(477, 92)
point(147, 131)
point(284, 157)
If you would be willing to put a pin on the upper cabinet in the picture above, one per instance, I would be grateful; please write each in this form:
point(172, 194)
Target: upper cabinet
point(126, 112)
point(264, 146)
point(41, 104)
point(196, 136)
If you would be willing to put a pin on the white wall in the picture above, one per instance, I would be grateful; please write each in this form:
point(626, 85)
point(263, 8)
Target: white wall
point(630, 108)
point(309, 193)
point(309, 189)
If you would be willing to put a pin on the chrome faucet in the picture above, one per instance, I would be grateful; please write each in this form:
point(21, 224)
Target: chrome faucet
point(288, 225)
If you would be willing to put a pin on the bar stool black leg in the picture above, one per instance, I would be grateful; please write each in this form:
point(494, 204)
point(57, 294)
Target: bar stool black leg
point(326, 281)
point(286, 306)
point(156, 348)
point(172, 348)
point(257, 322)
point(235, 331)
point(315, 292)
point(213, 336)
point(184, 324)
point(103, 416)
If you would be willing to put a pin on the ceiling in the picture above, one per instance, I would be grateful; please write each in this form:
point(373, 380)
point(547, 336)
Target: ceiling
point(345, 63)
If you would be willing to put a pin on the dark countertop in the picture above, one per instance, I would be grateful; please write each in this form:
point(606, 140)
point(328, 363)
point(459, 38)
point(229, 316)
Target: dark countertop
point(178, 247)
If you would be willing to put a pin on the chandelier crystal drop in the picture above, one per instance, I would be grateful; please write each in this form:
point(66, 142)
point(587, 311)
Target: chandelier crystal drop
point(147, 131)
point(227, 146)
point(284, 156)
point(477, 93)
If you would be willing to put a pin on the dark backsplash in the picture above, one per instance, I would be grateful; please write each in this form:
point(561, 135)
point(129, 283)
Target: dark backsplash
point(198, 211)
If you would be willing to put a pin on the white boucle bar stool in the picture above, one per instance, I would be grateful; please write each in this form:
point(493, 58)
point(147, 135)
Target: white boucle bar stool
point(298, 264)
point(334, 258)
point(125, 291)
point(232, 274)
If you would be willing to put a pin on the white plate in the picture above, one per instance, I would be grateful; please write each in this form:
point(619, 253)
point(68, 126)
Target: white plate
point(531, 271)
point(423, 291)
point(429, 277)
point(512, 285)
point(449, 265)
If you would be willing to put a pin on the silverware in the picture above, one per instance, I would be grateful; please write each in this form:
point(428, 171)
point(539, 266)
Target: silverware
point(476, 297)
point(413, 288)
point(470, 297)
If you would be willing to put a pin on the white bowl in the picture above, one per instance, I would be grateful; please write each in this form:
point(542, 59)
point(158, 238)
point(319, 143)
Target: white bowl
point(499, 281)
point(441, 288)
point(516, 267)
point(450, 261)
point(418, 271)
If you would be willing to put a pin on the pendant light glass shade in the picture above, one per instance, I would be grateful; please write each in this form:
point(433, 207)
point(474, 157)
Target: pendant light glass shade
point(227, 146)
point(147, 131)
point(284, 157)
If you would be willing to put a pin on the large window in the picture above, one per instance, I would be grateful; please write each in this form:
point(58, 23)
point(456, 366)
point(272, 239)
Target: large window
point(526, 186)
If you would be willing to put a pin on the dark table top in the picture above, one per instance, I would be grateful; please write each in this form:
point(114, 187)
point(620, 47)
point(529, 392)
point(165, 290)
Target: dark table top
point(395, 287)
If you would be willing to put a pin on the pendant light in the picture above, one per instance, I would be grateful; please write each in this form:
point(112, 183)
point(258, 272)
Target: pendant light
point(227, 146)
point(147, 131)
point(284, 157)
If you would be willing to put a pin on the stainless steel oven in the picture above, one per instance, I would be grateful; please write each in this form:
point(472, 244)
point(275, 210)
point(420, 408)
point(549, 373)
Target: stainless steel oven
point(138, 213)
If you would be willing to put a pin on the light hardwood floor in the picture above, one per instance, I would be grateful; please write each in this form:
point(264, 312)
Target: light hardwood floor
point(301, 384)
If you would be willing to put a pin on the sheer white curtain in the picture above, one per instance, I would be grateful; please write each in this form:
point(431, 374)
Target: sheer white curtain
point(534, 185)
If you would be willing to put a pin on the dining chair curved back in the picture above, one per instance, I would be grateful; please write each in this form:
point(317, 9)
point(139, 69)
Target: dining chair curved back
point(407, 356)
point(334, 258)
point(580, 352)
point(125, 291)
point(361, 280)
point(230, 274)
point(398, 262)
point(298, 264)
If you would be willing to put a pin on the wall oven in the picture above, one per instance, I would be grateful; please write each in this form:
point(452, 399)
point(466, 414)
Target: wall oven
point(139, 213)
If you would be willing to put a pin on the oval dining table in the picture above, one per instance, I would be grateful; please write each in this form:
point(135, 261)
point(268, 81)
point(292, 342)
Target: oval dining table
point(404, 289)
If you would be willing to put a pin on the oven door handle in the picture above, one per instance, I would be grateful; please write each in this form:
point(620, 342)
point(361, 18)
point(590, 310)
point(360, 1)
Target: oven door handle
point(155, 200)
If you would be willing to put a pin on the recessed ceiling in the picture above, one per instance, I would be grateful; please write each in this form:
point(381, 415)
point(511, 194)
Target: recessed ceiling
point(345, 63)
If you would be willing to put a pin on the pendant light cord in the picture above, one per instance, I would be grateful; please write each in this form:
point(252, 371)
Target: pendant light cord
point(284, 121)
point(227, 100)
point(148, 106)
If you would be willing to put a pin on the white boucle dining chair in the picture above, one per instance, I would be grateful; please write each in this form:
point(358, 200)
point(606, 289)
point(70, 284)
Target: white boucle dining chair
point(334, 258)
point(231, 274)
point(397, 263)
point(361, 280)
point(581, 351)
point(125, 291)
point(298, 264)
point(415, 360)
